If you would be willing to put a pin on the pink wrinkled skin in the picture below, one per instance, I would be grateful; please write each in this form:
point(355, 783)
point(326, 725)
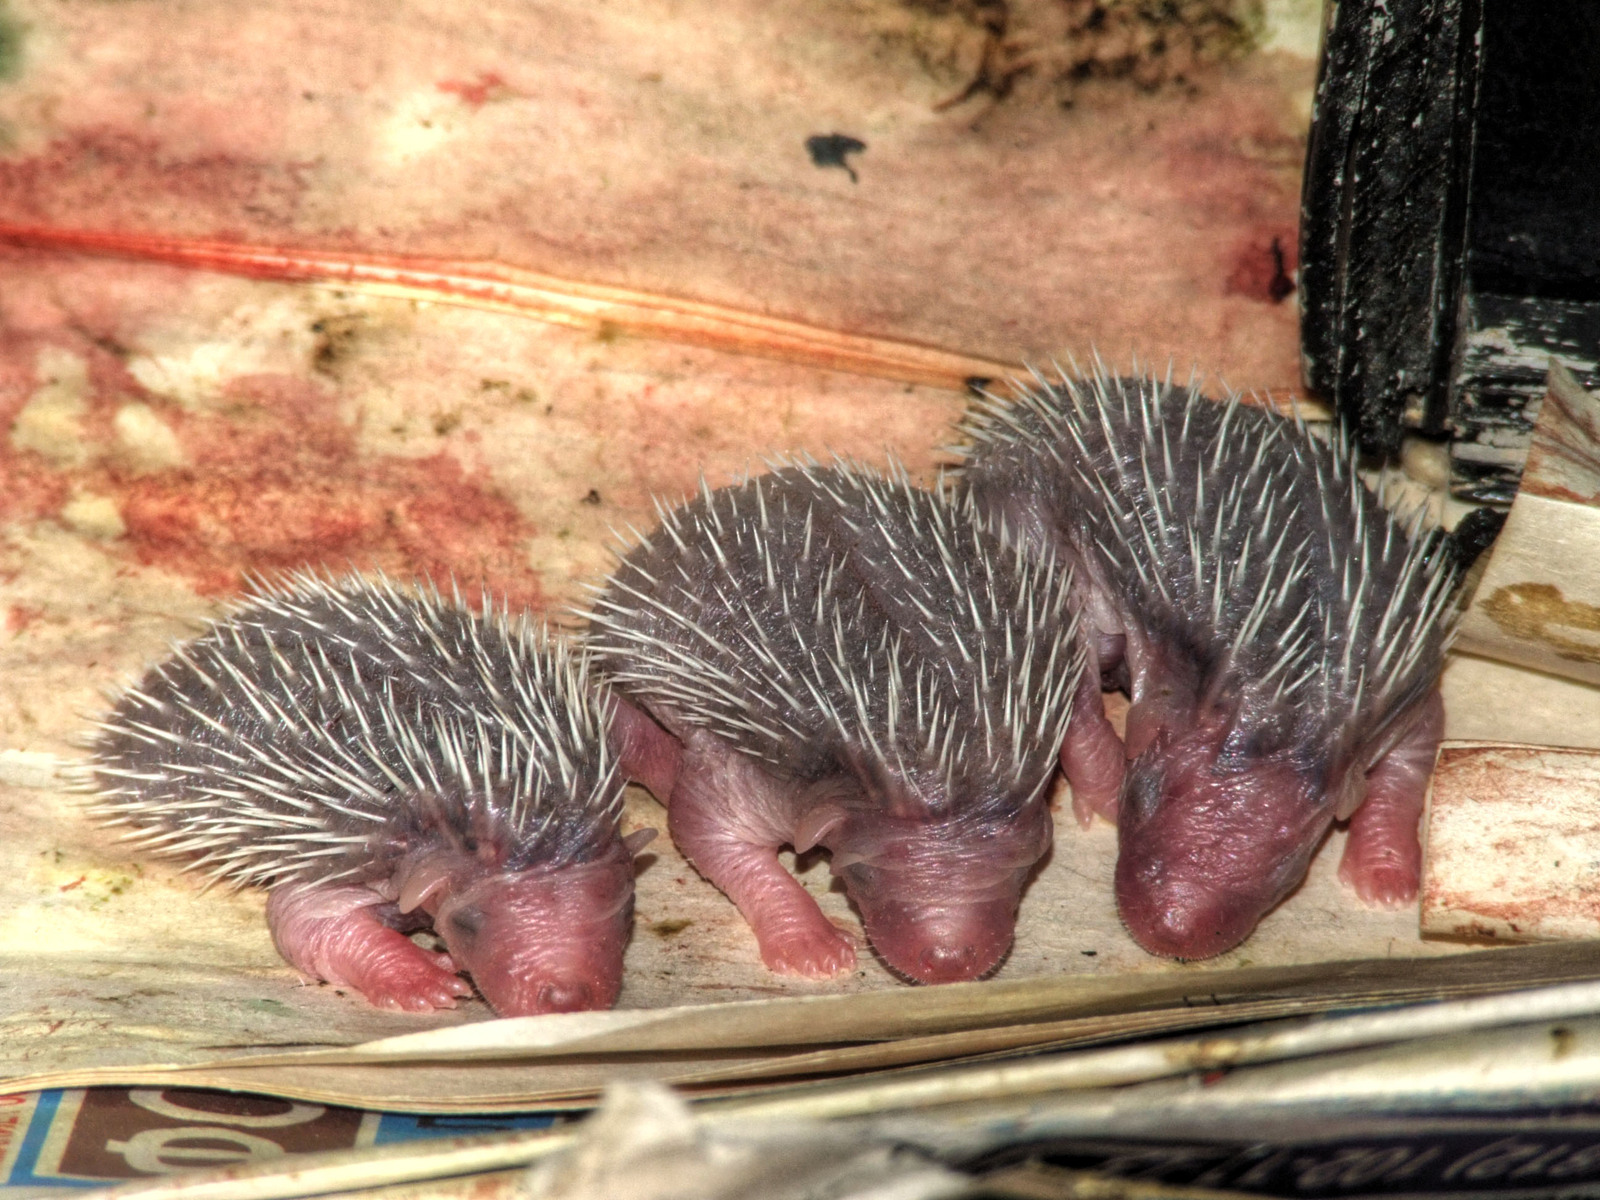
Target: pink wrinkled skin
point(336, 933)
point(1205, 853)
point(538, 941)
point(938, 900)
point(939, 903)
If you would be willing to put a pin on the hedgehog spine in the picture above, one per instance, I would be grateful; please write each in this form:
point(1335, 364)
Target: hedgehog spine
point(501, 716)
point(1420, 599)
point(838, 681)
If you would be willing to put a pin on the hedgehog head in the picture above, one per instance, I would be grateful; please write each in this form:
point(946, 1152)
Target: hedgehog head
point(938, 897)
point(549, 939)
point(1216, 824)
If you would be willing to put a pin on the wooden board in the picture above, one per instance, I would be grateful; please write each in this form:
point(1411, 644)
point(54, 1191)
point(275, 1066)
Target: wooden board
point(1538, 602)
point(167, 430)
point(1513, 843)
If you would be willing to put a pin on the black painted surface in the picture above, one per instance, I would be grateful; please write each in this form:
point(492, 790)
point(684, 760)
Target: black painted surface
point(1536, 183)
point(1500, 379)
point(1450, 233)
point(1383, 213)
point(1475, 533)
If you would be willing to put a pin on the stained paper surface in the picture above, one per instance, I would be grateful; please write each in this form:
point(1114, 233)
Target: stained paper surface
point(167, 430)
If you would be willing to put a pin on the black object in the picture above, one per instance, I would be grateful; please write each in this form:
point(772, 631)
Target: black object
point(1475, 533)
point(829, 150)
point(1450, 222)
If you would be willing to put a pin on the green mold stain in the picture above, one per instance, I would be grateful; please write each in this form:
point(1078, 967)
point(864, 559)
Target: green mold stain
point(10, 44)
point(275, 1007)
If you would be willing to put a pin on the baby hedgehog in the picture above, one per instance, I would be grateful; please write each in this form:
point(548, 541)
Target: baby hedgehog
point(845, 660)
point(385, 760)
point(1279, 633)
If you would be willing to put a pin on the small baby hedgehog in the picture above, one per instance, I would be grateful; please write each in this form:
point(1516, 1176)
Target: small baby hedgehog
point(1279, 632)
point(384, 760)
point(845, 660)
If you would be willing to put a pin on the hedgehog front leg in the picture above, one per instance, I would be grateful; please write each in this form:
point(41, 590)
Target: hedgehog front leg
point(334, 932)
point(1383, 854)
point(729, 818)
point(1092, 755)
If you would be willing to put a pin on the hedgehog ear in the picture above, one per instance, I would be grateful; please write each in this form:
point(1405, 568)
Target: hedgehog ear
point(637, 840)
point(419, 881)
point(1155, 710)
point(1351, 795)
point(1140, 727)
point(816, 825)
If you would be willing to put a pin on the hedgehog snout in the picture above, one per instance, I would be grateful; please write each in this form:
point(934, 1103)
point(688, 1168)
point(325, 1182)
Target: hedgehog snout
point(950, 964)
point(544, 940)
point(942, 943)
point(566, 996)
point(939, 926)
point(1204, 854)
point(1187, 923)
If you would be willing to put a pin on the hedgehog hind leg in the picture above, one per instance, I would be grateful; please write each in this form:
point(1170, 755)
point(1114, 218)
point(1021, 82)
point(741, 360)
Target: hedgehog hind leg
point(1092, 755)
point(729, 819)
point(649, 755)
point(336, 932)
point(1382, 860)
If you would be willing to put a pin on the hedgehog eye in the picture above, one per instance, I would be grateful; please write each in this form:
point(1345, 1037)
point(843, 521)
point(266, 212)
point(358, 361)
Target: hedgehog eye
point(1141, 794)
point(1248, 744)
point(468, 921)
point(858, 875)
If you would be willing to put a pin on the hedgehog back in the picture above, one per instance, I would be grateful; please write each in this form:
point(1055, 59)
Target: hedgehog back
point(1234, 538)
point(327, 727)
point(821, 619)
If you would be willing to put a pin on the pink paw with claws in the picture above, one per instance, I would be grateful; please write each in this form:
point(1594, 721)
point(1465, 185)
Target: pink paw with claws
point(414, 982)
point(1383, 881)
point(1090, 800)
point(1383, 857)
point(1092, 757)
point(810, 954)
point(334, 933)
point(1382, 860)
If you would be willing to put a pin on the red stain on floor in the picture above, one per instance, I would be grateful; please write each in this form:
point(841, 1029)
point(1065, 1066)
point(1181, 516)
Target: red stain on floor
point(20, 616)
point(1264, 267)
point(135, 182)
point(29, 486)
point(1236, 162)
point(278, 483)
point(274, 479)
point(475, 94)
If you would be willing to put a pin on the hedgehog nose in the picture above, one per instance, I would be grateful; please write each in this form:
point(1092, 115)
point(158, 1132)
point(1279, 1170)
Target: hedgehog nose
point(1175, 929)
point(565, 996)
point(947, 964)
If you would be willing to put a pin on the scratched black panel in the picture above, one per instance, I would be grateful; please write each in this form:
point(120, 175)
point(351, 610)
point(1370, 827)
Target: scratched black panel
point(1500, 379)
point(1533, 267)
point(1383, 211)
point(1536, 178)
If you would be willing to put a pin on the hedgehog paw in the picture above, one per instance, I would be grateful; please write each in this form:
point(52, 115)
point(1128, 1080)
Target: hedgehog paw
point(335, 933)
point(817, 953)
point(1383, 855)
point(1092, 757)
point(1382, 860)
point(419, 983)
point(1087, 802)
point(1381, 885)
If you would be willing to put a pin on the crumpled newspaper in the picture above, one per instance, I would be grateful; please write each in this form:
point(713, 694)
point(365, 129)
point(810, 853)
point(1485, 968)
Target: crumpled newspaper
point(645, 1144)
